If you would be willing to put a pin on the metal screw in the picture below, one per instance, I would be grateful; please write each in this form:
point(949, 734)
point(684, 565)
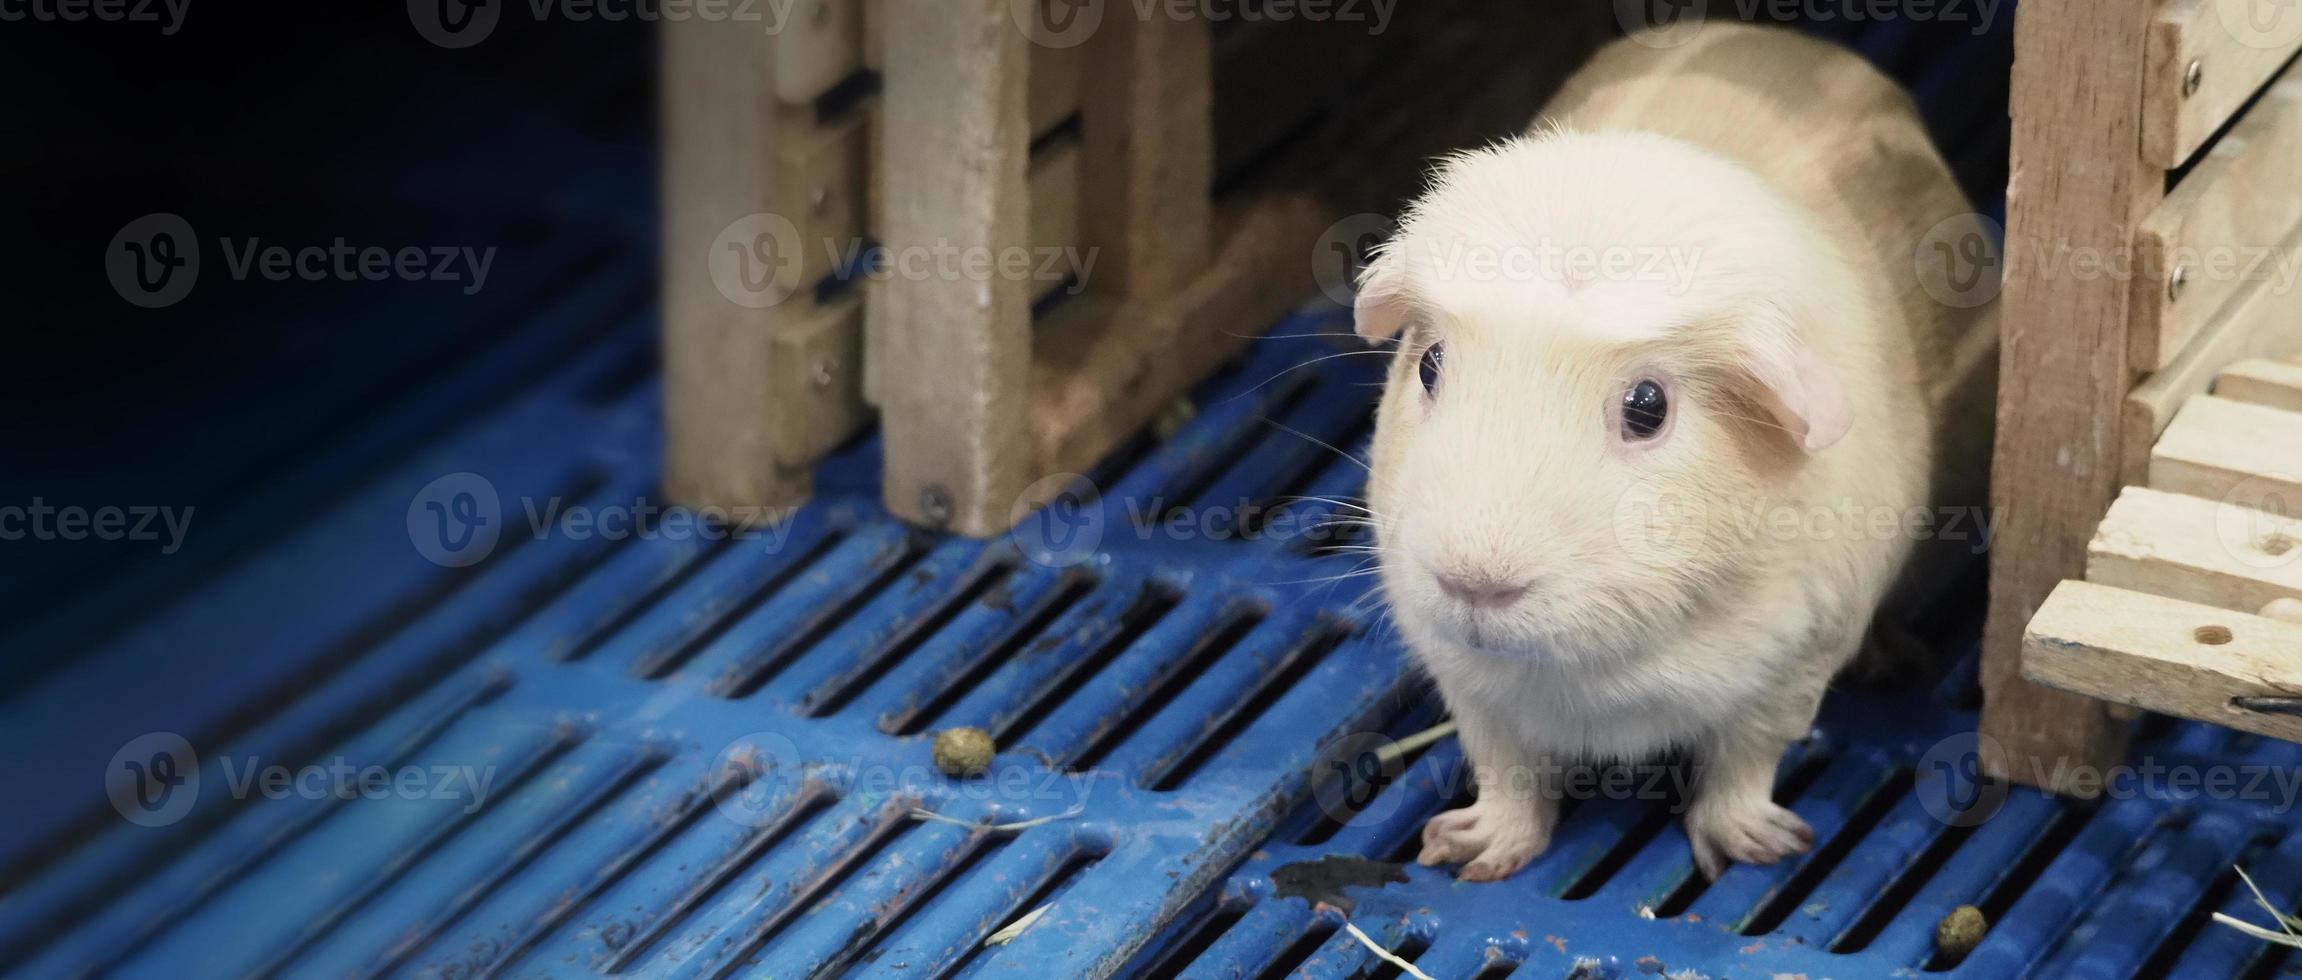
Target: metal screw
point(2175, 282)
point(819, 200)
point(935, 505)
point(819, 373)
point(2191, 76)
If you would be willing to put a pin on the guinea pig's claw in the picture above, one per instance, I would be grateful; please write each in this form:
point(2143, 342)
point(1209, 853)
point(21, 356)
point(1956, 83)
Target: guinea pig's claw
point(1491, 841)
point(1758, 832)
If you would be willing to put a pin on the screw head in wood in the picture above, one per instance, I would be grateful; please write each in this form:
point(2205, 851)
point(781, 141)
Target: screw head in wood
point(935, 505)
point(2194, 73)
point(819, 373)
point(2175, 282)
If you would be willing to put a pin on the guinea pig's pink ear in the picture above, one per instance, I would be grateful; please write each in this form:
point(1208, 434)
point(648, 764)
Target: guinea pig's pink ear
point(1802, 392)
point(1381, 308)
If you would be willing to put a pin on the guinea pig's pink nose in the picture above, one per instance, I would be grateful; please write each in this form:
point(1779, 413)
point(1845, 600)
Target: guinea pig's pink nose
point(1481, 592)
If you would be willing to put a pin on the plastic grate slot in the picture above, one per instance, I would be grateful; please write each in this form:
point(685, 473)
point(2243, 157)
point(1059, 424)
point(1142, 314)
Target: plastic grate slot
point(1409, 949)
point(1295, 386)
point(1779, 906)
point(674, 915)
point(657, 663)
point(1065, 875)
point(985, 849)
point(1304, 947)
point(1240, 621)
point(1149, 606)
point(590, 810)
point(1294, 485)
point(746, 677)
point(705, 798)
point(1077, 584)
point(1328, 633)
point(887, 833)
point(2018, 879)
point(1323, 827)
point(839, 693)
point(1897, 896)
point(1188, 947)
point(719, 544)
point(320, 925)
point(2201, 914)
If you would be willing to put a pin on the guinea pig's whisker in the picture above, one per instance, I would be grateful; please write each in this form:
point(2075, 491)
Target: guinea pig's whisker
point(1292, 368)
point(1316, 441)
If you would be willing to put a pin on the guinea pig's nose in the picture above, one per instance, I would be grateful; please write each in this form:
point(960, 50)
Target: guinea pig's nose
point(1481, 592)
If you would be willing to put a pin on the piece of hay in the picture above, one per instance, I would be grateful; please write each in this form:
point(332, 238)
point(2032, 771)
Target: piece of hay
point(1961, 931)
point(964, 751)
point(1008, 932)
point(921, 813)
point(1398, 750)
point(2285, 935)
point(1383, 954)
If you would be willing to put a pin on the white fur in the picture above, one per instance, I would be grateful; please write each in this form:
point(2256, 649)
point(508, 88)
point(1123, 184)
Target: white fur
point(1656, 617)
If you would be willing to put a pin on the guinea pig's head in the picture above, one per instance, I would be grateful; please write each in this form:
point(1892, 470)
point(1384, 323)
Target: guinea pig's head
point(1602, 367)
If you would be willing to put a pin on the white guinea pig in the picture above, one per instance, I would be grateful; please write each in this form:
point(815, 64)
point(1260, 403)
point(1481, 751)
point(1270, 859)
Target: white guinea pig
point(1669, 398)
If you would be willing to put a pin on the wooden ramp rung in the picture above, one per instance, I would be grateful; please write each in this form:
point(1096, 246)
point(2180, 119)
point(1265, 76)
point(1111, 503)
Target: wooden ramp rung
point(2171, 656)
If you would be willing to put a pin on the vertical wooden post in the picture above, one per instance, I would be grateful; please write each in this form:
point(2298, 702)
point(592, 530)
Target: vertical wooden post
point(950, 348)
point(2078, 184)
point(721, 137)
point(1148, 153)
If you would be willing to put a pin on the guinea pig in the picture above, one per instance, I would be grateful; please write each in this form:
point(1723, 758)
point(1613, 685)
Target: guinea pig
point(1672, 406)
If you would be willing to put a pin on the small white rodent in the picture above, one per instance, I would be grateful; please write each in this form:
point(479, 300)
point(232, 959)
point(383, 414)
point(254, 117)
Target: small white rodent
point(1671, 412)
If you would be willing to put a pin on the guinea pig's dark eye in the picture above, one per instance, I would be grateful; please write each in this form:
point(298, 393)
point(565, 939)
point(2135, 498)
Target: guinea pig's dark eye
point(1433, 357)
point(1645, 408)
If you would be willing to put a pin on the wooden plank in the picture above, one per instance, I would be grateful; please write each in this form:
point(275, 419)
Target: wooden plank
point(1105, 368)
point(2197, 550)
point(2218, 229)
point(950, 355)
point(817, 383)
point(722, 136)
point(2077, 181)
point(2222, 449)
point(821, 176)
point(818, 44)
point(1055, 79)
point(2166, 655)
point(2263, 321)
point(2236, 45)
point(1148, 153)
point(2276, 383)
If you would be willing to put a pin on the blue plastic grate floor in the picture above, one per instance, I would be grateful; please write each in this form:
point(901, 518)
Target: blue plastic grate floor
point(703, 756)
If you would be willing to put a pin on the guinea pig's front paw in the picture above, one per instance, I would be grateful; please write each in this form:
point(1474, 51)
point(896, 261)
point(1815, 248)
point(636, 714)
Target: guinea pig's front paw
point(1749, 831)
point(1492, 837)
